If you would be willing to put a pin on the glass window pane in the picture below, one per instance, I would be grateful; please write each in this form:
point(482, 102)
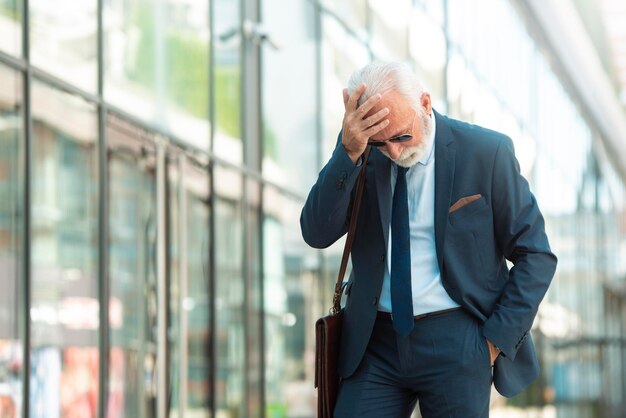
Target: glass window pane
point(132, 271)
point(353, 12)
point(11, 26)
point(429, 56)
point(434, 8)
point(227, 82)
point(156, 58)
point(290, 132)
point(190, 296)
point(11, 239)
point(63, 36)
point(229, 299)
point(291, 301)
point(64, 243)
point(197, 304)
point(390, 22)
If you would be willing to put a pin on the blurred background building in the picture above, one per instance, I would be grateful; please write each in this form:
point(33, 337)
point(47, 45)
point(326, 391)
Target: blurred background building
point(155, 155)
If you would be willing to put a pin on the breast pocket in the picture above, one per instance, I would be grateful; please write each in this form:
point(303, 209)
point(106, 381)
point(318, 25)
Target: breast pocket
point(469, 248)
point(473, 213)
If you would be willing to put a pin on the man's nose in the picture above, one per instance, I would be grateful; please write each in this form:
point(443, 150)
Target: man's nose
point(394, 150)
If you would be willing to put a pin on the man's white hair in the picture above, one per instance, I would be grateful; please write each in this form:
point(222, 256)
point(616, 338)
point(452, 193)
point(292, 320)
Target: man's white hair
point(381, 77)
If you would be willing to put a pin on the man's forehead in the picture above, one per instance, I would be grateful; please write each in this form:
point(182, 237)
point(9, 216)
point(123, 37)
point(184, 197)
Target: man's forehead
point(394, 102)
point(400, 119)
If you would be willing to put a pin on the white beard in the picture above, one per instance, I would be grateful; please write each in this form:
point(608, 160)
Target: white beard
point(411, 155)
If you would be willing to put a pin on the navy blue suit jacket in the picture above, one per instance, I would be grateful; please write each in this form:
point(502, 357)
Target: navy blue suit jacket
point(472, 243)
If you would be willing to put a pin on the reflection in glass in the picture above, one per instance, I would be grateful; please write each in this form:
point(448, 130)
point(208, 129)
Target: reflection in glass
point(63, 36)
point(132, 272)
point(290, 132)
point(157, 64)
point(352, 11)
point(390, 22)
point(229, 300)
point(430, 56)
point(291, 301)
point(197, 304)
point(11, 26)
point(433, 8)
point(227, 82)
point(190, 294)
point(64, 310)
point(11, 119)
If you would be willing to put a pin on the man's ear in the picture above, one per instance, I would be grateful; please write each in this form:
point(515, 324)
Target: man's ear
point(426, 103)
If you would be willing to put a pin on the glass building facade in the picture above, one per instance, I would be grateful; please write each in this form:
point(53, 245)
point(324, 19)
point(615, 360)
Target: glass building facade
point(154, 158)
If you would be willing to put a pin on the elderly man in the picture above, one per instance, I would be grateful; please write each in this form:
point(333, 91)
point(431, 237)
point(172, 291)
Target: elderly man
point(433, 313)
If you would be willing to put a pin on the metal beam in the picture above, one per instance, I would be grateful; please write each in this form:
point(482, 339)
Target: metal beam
point(103, 234)
point(183, 287)
point(161, 254)
point(27, 139)
point(252, 138)
point(211, 223)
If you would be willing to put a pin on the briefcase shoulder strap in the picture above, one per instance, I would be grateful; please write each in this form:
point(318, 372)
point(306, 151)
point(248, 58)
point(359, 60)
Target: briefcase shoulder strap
point(351, 230)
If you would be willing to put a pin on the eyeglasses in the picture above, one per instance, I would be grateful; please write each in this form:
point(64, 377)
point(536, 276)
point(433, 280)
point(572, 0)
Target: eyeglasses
point(395, 139)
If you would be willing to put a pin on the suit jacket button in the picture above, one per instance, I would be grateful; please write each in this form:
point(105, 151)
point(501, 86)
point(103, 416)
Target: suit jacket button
point(374, 301)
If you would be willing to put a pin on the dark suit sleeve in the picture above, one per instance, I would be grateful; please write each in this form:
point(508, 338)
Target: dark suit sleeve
point(520, 233)
point(324, 218)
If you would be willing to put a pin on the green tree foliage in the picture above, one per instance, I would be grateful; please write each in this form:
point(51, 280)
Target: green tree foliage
point(270, 142)
point(228, 99)
point(187, 74)
point(11, 9)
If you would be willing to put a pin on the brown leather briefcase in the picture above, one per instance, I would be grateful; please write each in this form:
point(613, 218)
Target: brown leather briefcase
point(327, 336)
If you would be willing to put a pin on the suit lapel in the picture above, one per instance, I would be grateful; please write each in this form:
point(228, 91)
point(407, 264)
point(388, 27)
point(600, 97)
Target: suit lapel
point(444, 177)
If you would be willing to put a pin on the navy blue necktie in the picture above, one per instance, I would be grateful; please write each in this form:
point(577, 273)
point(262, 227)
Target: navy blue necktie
point(401, 297)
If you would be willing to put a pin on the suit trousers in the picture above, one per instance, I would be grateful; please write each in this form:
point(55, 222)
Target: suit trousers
point(443, 364)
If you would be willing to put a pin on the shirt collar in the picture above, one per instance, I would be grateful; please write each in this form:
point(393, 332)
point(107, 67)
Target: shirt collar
point(428, 155)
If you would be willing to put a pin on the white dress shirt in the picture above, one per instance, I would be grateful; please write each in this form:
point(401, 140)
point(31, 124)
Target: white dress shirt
point(429, 294)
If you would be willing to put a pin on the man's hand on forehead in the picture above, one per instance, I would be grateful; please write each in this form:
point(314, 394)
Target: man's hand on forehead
point(358, 127)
